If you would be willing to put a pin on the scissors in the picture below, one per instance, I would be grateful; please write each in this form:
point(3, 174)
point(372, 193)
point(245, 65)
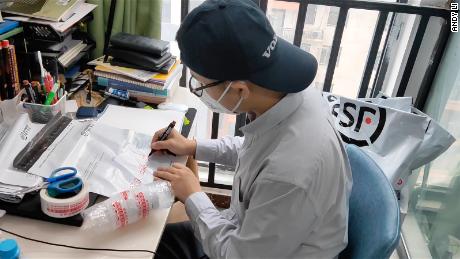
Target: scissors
point(63, 184)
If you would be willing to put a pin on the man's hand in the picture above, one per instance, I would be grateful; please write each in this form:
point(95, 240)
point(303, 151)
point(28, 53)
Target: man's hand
point(183, 182)
point(176, 143)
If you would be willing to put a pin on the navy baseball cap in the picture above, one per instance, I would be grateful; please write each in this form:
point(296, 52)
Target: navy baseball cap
point(233, 40)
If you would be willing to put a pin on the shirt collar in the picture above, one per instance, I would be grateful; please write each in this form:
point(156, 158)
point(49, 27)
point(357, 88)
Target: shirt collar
point(274, 115)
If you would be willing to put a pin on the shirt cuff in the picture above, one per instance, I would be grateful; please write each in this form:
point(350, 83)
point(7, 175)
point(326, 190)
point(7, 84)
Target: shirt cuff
point(196, 203)
point(206, 150)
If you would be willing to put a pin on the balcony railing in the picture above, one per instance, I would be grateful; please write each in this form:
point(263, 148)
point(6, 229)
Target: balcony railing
point(385, 11)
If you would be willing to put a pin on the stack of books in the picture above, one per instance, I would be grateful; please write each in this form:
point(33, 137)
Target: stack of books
point(141, 85)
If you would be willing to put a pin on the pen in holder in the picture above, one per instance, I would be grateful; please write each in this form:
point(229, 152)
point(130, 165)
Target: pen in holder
point(40, 113)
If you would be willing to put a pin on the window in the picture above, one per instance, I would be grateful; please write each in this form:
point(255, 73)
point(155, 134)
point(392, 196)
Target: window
point(317, 39)
point(431, 227)
point(288, 34)
point(319, 85)
point(276, 17)
point(305, 47)
point(283, 18)
point(333, 16)
point(338, 56)
point(311, 14)
point(313, 35)
point(324, 56)
point(377, 59)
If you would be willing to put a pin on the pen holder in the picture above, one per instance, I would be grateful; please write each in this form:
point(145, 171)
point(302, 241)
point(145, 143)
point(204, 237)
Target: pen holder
point(9, 109)
point(40, 113)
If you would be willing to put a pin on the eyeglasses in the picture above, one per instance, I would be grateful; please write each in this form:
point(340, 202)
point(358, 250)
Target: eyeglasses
point(196, 87)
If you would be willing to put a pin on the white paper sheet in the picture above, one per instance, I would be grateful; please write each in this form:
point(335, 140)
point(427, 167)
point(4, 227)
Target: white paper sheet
point(109, 159)
point(54, 156)
point(3, 129)
point(17, 137)
point(140, 120)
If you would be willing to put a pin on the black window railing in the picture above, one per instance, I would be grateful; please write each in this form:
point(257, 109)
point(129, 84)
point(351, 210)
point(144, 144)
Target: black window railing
point(385, 11)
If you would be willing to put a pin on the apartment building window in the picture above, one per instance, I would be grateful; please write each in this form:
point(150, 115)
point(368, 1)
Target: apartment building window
point(333, 16)
point(324, 56)
point(326, 53)
point(313, 35)
point(311, 14)
point(277, 20)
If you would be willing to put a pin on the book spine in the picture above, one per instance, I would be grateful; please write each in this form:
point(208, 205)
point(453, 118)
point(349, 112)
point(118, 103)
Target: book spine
point(151, 85)
point(3, 86)
point(108, 82)
point(14, 69)
point(8, 74)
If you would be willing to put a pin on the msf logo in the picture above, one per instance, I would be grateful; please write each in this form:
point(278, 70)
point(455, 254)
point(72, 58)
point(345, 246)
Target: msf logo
point(270, 48)
point(358, 124)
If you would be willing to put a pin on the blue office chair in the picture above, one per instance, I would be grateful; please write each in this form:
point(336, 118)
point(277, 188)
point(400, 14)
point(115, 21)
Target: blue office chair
point(373, 224)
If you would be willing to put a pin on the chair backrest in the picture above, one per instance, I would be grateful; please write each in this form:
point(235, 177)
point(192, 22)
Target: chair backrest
point(373, 224)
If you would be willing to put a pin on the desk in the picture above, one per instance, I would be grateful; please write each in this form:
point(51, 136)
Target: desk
point(143, 235)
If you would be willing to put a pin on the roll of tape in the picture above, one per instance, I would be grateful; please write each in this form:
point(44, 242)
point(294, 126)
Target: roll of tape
point(63, 208)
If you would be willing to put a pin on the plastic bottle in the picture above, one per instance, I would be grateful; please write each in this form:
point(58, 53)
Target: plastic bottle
point(128, 207)
point(9, 249)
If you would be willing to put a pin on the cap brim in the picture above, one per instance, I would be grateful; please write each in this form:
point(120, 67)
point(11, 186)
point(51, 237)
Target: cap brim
point(292, 71)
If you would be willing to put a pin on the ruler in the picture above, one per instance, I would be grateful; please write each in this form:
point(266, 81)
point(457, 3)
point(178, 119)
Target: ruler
point(44, 138)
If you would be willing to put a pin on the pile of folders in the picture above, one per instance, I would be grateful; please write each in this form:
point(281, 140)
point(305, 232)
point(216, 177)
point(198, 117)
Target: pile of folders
point(140, 52)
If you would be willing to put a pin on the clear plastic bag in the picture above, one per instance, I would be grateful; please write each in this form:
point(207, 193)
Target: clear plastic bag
point(128, 207)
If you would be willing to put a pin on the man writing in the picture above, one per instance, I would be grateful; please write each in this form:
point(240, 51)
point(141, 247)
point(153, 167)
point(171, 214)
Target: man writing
point(292, 177)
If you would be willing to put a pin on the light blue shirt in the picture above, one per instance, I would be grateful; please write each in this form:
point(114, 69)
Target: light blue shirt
point(291, 187)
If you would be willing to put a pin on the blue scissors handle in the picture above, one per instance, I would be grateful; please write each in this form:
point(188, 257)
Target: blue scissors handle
point(54, 178)
point(65, 183)
point(70, 185)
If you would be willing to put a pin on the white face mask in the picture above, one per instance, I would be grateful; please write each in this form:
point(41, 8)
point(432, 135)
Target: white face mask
point(215, 106)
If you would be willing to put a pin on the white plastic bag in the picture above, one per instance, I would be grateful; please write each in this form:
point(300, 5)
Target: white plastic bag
point(398, 140)
point(436, 141)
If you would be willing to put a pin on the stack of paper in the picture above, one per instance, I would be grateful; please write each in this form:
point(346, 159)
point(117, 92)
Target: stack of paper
point(14, 140)
point(68, 56)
